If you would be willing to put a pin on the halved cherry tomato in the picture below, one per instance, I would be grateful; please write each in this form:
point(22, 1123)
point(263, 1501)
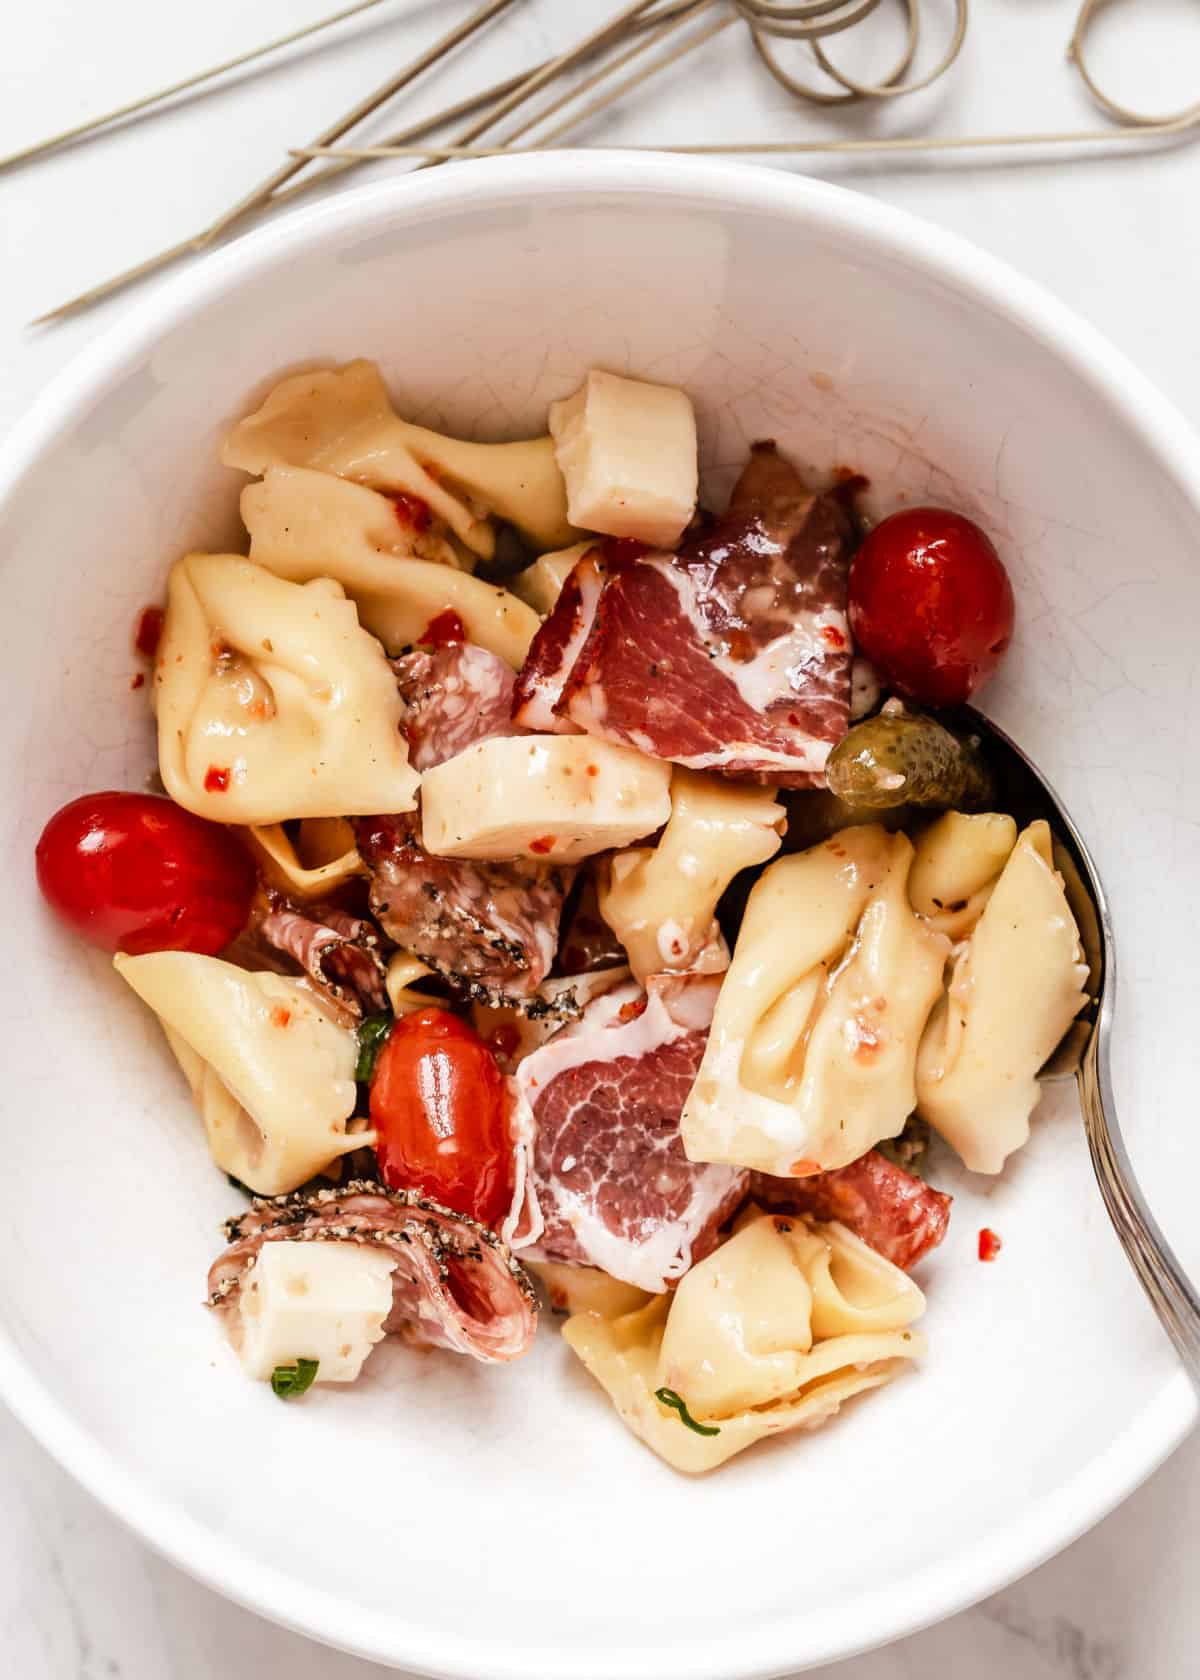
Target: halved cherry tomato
point(437, 1105)
point(135, 873)
point(931, 604)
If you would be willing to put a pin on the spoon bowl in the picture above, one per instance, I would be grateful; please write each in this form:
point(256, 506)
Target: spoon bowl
point(1023, 790)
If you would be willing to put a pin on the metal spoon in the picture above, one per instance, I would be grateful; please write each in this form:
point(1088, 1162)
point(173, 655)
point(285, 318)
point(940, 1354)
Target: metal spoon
point(1023, 790)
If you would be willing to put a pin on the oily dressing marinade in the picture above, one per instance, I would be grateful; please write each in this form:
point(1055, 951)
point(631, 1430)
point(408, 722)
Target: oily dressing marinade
point(560, 903)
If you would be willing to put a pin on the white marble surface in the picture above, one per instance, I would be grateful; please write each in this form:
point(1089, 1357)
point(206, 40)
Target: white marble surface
point(1116, 235)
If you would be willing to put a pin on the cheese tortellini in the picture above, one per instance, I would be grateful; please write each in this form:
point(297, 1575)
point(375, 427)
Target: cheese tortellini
point(957, 862)
point(811, 1058)
point(1015, 988)
point(273, 702)
point(272, 1074)
point(660, 901)
point(321, 858)
point(306, 525)
point(772, 1332)
point(341, 421)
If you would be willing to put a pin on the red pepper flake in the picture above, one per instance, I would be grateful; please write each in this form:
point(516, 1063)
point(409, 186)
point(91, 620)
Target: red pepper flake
point(543, 844)
point(280, 1016)
point(446, 630)
point(989, 1244)
point(741, 645)
point(593, 769)
point(832, 636)
point(412, 512)
point(804, 1168)
point(631, 1010)
point(136, 682)
point(149, 631)
point(216, 780)
point(504, 1039)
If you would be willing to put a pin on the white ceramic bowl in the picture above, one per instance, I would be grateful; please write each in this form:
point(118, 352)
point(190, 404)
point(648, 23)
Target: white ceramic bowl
point(501, 1525)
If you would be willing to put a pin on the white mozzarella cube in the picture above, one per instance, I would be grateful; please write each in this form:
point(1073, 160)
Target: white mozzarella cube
point(313, 1300)
point(553, 798)
point(627, 451)
point(540, 584)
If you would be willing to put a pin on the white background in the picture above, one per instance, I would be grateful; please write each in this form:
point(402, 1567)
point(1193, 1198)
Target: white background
point(1116, 233)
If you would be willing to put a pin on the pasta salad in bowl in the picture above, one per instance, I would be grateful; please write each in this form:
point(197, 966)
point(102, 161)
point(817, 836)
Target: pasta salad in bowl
point(538, 1000)
point(473, 919)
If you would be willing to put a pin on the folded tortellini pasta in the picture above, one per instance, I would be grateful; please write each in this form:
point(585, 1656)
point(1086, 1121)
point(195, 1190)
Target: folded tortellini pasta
point(341, 421)
point(1015, 988)
point(273, 702)
point(660, 900)
point(308, 867)
point(811, 1057)
point(306, 525)
point(957, 862)
point(272, 1074)
point(774, 1331)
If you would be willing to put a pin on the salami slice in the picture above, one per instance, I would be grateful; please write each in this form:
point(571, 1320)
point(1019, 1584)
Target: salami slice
point(896, 1213)
point(454, 1284)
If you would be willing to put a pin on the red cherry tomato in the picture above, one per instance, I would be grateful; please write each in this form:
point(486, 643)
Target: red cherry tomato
point(130, 872)
point(931, 605)
point(437, 1105)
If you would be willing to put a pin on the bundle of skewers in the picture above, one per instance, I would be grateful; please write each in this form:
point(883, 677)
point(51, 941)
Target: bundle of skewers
point(545, 105)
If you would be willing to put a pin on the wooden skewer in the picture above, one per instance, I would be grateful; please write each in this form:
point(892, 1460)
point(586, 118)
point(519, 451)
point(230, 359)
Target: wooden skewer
point(364, 108)
point(464, 108)
point(538, 79)
point(197, 242)
point(630, 82)
point(94, 124)
point(662, 28)
point(788, 148)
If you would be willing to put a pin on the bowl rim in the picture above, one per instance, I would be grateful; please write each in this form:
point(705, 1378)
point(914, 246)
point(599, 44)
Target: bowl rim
point(882, 1614)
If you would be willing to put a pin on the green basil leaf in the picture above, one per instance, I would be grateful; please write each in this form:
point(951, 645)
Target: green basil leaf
point(289, 1382)
point(371, 1036)
point(668, 1397)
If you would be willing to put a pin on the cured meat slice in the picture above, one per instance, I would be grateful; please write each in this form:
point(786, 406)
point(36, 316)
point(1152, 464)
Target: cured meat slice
point(604, 1096)
point(897, 1214)
point(455, 1285)
point(490, 928)
point(453, 697)
point(558, 644)
point(340, 953)
point(731, 655)
point(588, 943)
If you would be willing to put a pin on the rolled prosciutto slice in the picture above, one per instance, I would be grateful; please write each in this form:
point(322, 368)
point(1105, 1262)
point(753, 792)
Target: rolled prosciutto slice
point(731, 655)
point(603, 1099)
point(341, 953)
point(490, 928)
point(896, 1213)
point(453, 697)
point(454, 1285)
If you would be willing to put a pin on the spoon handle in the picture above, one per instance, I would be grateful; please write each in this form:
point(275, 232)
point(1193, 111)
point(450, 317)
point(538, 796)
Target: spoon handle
point(1162, 1277)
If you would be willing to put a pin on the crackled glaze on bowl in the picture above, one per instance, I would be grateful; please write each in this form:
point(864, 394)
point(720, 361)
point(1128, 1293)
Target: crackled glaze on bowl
point(484, 1523)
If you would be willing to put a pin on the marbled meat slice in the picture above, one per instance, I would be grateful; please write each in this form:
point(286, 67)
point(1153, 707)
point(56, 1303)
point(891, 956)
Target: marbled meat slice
point(731, 655)
point(490, 928)
point(605, 1095)
point(896, 1213)
point(557, 645)
point(453, 697)
point(588, 943)
point(455, 1285)
point(341, 953)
